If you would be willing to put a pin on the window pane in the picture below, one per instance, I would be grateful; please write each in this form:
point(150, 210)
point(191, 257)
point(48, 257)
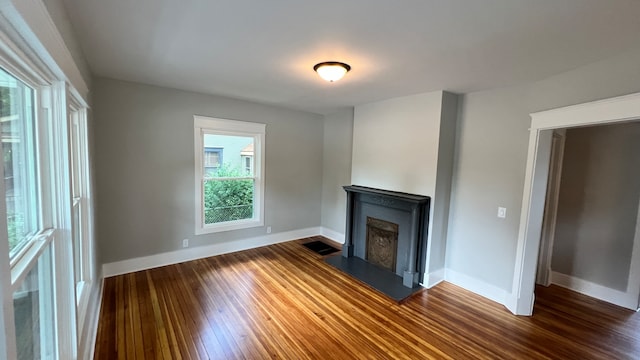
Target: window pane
point(224, 154)
point(226, 157)
point(228, 200)
point(33, 312)
point(18, 145)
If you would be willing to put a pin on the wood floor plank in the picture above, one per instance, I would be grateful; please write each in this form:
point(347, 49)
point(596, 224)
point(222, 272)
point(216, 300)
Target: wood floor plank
point(162, 340)
point(284, 302)
point(233, 309)
point(147, 328)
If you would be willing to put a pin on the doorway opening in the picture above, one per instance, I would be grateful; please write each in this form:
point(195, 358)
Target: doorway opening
point(543, 124)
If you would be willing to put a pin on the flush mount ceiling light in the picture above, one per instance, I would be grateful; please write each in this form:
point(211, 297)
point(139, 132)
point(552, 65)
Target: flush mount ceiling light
point(331, 70)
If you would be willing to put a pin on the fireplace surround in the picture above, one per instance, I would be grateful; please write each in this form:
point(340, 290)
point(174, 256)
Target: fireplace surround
point(392, 214)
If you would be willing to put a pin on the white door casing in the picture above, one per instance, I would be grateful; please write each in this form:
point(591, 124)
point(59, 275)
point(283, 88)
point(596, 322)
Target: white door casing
point(551, 208)
point(608, 111)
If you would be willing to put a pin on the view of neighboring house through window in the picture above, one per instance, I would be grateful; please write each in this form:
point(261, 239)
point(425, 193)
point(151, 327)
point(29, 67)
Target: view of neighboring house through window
point(212, 160)
point(230, 184)
point(247, 158)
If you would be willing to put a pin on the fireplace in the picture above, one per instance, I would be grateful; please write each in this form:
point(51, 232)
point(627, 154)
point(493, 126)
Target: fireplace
point(382, 243)
point(385, 239)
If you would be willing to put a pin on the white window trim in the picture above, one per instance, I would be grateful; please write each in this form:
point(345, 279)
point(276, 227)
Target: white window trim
point(204, 125)
point(83, 286)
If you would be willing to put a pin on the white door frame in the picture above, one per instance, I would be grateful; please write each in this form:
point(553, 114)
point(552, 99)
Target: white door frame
point(543, 276)
point(633, 286)
point(609, 111)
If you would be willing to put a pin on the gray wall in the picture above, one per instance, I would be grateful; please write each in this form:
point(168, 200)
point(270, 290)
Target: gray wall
point(492, 140)
point(598, 204)
point(489, 166)
point(442, 195)
point(336, 168)
point(395, 143)
point(145, 167)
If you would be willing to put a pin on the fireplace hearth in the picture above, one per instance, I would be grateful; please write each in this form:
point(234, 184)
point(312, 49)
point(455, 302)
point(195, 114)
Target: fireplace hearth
point(385, 239)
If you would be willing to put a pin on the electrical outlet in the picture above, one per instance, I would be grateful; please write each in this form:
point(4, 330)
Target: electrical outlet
point(502, 212)
point(268, 229)
point(185, 243)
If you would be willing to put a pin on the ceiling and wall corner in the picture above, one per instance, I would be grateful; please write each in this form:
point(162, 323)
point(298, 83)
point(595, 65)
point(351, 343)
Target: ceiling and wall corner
point(60, 18)
point(36, 34)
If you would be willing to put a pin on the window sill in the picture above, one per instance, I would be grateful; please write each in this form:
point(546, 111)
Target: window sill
point(28, 256)
point(228, 226)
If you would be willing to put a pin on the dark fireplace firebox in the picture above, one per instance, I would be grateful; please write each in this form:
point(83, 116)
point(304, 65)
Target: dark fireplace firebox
point(382, 243)
point(385, 239)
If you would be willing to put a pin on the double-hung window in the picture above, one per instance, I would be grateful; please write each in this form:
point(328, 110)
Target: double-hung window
point(229, 168)
point(29, 244)
point(46, 213)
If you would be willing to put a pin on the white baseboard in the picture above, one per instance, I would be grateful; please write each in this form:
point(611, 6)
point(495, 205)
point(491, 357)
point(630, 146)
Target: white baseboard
point(199, 252)
point(332, 235)
point(477, 286)
point(594, 290)
point(433, 278)
point(91, 324)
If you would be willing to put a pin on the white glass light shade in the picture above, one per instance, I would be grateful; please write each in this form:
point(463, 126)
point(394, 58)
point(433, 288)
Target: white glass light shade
point(332, 71)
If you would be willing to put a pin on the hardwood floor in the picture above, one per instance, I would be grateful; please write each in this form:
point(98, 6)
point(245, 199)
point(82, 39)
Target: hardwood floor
point(283, 302)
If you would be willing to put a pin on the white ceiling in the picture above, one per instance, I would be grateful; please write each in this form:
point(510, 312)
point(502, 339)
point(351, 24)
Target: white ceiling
point(264, 50)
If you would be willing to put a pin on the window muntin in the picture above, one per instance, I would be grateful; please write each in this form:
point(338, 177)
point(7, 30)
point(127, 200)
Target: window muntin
point(229, 196)
point(18, 128)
